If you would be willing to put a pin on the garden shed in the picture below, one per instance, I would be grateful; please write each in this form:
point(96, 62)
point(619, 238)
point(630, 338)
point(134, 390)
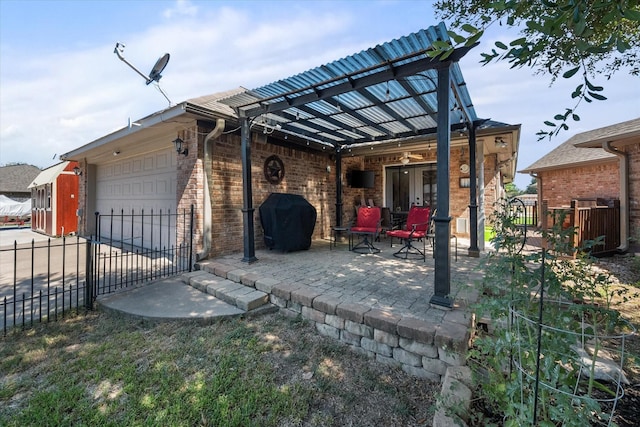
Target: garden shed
point(54, 195)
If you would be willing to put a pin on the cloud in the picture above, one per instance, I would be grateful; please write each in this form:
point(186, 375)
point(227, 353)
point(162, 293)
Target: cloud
point(59, 101)
point(55, 102)
point(182, 8)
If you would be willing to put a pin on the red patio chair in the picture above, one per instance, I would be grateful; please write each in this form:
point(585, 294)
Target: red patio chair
point(368, 227)
point(415, 230)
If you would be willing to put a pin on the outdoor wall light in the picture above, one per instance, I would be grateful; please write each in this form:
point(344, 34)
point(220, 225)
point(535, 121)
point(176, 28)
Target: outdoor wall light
point(77, 171)
point(500, 143)
point(180, 146)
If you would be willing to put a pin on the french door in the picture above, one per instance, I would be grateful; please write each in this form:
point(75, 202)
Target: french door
point(410, 185)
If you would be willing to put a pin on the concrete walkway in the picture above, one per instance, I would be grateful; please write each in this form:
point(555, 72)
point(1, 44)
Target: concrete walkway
point(168, 299)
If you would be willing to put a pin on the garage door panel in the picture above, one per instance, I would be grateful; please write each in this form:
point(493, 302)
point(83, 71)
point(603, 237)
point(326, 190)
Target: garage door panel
point(144, 187)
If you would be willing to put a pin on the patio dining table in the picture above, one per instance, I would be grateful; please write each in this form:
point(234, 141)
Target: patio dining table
point(399, 218)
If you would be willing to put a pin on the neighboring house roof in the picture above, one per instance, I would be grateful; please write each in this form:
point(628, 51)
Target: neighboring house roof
point(567, 154)
point(16, 178)
point(614, 133)
point(48, 175)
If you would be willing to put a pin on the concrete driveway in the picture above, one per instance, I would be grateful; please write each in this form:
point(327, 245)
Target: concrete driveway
point(31, 262)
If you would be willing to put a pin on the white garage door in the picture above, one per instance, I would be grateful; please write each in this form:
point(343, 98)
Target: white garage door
point(144, 188)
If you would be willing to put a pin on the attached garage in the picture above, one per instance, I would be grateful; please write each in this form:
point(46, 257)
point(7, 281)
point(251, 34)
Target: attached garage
point(132, 177)
point(141, 189)
point(146, 182)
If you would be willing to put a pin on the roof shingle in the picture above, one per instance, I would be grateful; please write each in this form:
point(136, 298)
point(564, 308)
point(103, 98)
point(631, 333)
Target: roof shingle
point(567, 154)
point(16, 178)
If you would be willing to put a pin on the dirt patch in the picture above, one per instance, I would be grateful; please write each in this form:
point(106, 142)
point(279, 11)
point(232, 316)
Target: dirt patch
point(350, 389)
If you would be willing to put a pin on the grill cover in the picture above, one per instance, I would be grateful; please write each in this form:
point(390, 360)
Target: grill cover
point(288, 221)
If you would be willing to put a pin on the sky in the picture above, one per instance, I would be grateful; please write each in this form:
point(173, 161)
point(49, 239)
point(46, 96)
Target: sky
point(62, 86)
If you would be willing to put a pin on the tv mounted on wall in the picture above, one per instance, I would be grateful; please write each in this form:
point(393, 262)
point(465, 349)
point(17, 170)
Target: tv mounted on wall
point(362, 179)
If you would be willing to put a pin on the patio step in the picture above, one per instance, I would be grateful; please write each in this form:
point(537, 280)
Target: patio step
point(244, 297)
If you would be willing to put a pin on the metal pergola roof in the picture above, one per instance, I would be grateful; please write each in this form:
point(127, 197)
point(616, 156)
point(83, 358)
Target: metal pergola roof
point(394, 91)
point(383, 93)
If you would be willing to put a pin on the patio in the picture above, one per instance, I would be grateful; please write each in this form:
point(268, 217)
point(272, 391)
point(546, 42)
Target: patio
point(377, 303)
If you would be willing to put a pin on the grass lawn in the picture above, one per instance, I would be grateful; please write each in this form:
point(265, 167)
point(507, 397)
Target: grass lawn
point(103, 369)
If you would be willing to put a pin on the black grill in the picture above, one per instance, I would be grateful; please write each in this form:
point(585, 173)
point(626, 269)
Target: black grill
point(288, 221)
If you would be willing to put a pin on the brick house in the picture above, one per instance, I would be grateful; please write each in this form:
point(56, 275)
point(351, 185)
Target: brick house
point(320, 128)
point(602, 163)
point(138, 168)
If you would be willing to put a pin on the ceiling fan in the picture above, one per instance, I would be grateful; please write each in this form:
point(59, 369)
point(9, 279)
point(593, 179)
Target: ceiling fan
point(407, 156)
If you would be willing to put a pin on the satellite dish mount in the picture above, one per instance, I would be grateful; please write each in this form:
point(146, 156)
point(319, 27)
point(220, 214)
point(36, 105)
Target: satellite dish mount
point(154, 75)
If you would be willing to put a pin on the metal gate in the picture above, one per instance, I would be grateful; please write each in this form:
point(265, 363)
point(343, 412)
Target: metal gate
point(130, 249)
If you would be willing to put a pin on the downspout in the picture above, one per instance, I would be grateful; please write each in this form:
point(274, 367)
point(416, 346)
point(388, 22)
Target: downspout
point(624, 194)
point(206, 199)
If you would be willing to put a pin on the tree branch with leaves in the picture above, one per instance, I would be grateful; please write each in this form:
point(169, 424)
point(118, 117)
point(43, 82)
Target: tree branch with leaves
point(586, 39)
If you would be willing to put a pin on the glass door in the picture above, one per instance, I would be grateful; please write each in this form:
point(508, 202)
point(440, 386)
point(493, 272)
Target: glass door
point(410, 185)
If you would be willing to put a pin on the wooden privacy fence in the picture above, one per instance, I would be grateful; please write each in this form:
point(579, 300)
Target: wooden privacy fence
point(591, 219)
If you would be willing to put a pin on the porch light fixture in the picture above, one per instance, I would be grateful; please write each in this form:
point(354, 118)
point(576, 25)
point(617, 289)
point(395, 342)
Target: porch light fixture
point(77, 171)
point(500, 143)
point(180, 146)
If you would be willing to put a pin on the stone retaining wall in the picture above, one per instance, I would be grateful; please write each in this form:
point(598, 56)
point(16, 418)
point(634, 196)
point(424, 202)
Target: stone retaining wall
point(420, 348)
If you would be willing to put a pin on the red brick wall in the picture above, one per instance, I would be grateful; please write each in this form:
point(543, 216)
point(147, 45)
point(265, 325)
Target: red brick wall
point(190, 182)
point(305, 174)
point(560, 186)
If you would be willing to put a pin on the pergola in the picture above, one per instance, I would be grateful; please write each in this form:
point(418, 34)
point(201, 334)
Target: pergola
point(387, 94)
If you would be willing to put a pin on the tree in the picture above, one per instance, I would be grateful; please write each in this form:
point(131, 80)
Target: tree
point(588, 39)
point(532, 188)
point(512, 190)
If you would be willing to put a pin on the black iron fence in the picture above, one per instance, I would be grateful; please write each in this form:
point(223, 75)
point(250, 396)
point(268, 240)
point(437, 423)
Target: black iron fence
point(40, 282)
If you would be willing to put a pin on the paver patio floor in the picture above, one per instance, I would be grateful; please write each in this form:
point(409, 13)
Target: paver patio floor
point(379, 280)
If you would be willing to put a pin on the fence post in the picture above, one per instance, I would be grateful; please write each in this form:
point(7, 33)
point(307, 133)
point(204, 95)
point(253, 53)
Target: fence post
point(191, 240)
point(88, 295)
point(574, 220)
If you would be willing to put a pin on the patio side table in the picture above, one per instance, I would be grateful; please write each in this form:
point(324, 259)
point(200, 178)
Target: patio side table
point(334, 235)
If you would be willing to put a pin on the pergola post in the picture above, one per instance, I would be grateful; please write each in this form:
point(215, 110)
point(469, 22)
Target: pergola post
point(338, 188)
point(474, 251)
point(442, 220)
point(247, 203)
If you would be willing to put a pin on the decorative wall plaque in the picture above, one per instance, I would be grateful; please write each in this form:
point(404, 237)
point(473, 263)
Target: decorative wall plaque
point(274, 169)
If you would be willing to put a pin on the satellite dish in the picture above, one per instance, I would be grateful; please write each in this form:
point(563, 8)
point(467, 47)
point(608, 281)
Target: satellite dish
point(154, 75)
